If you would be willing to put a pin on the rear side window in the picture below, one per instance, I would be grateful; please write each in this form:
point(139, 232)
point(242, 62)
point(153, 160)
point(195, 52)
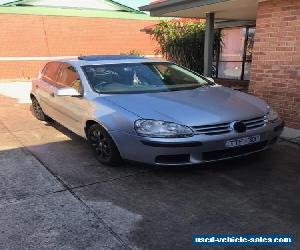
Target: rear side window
point(69, 77)
point(50, 72)
point(44, 69)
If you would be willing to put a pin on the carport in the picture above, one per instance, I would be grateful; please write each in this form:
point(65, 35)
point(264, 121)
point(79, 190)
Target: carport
point(236, 11)
point(274, 68)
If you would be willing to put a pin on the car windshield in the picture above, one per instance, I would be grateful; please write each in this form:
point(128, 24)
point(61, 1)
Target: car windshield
point(142, 78)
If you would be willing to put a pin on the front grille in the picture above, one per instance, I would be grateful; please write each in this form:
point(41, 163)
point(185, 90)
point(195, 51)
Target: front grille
point(224, 128)
point(216, 129)
point(255, 122)
point(232, 152)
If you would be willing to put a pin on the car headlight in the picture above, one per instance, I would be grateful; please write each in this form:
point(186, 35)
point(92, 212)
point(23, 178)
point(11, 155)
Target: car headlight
point(161, 129)
point(272, 115)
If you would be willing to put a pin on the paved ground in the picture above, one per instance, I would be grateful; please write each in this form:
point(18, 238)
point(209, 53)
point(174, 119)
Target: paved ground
point(55, 195)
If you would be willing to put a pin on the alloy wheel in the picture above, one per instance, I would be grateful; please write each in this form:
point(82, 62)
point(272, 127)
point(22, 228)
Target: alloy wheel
point(101, 145)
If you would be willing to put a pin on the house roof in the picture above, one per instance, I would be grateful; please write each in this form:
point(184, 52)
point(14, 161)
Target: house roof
point(81, 8)
point(223, 9)
point(86, 4)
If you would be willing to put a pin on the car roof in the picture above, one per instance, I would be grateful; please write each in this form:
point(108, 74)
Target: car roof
point(109, 59)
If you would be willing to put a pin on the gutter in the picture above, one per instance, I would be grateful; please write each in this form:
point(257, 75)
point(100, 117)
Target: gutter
point(161, 4)
point(175, 5)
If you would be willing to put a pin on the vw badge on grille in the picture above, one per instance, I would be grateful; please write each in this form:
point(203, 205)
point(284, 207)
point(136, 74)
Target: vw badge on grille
point(238, 126)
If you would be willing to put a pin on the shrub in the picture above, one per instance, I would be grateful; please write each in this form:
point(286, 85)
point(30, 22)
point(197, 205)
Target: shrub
point(182, 41)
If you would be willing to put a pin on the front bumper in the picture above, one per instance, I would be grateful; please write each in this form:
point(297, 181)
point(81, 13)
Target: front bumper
point(193, 150)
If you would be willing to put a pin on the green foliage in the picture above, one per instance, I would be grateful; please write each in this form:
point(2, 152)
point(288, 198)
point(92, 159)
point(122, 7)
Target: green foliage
point(182, 41)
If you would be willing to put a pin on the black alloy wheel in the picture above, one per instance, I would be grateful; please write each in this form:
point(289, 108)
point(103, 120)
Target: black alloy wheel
point(103, 145)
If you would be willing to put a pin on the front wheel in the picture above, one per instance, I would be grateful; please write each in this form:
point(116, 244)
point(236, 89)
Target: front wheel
point(103, 145)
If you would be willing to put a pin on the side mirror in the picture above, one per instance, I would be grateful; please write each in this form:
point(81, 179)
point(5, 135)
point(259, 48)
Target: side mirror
point(210, 79)
point(67, 92)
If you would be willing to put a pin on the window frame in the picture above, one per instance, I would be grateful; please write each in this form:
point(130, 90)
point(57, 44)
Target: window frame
point(244, 57)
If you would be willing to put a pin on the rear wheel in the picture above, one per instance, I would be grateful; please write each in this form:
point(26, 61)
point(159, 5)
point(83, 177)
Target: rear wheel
point(37, 110)
point(103, 145)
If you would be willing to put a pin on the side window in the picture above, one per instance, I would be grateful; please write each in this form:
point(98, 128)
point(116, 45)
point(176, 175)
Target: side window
point(69, 77)
point(50, 72)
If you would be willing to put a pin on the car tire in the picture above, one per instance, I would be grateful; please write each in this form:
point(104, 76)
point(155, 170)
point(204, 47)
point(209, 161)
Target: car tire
point(103, 145)
point(37, 110)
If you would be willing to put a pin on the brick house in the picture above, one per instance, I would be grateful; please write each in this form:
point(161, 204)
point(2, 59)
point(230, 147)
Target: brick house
point(35, 31)
point(261, 46)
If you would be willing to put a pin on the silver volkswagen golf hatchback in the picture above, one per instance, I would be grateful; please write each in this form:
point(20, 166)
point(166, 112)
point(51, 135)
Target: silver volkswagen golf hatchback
point(152, 111)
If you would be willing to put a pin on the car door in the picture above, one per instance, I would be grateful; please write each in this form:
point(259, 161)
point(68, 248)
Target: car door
point(72, 109)
point(46, 86)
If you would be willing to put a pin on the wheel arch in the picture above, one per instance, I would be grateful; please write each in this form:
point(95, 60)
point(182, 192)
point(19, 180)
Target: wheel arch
point(91, 122)
point(32, 96)
point(88, 124)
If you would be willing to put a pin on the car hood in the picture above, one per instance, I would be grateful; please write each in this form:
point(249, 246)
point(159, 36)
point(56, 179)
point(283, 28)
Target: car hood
point(195, 107)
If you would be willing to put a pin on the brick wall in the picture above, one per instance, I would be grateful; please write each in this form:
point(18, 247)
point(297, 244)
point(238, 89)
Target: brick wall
point(31, 36)
point(241, 85)
point(275, 72)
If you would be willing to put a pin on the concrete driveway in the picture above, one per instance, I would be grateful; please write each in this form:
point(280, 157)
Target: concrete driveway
point(55, 195)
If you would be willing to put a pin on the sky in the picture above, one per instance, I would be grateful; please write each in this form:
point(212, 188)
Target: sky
point(134, 3)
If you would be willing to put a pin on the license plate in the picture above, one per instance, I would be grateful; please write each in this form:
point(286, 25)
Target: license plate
point(242, 141)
